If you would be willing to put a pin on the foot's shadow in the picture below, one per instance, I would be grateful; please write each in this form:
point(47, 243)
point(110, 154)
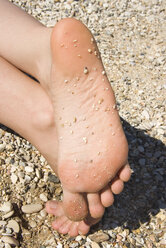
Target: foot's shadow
point(144, 195)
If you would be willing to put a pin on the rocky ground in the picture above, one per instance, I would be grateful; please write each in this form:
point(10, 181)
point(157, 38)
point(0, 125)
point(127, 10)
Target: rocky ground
point(131, 37)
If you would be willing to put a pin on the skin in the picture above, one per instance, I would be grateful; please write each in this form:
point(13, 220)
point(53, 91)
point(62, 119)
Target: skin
point(75, 151)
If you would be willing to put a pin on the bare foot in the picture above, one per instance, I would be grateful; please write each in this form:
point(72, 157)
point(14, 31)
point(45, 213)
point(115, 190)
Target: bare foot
point(92, 147)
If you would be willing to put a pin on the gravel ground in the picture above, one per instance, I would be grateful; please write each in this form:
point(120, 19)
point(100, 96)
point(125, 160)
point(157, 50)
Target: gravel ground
point(131, 37)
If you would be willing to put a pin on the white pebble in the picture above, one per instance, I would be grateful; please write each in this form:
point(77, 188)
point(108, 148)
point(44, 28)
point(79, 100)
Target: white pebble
point(10, 240)
point(32, 223)
point(14, 225)
point(31, 208)
point(7, 246)
point(2, 147)
point(6, 207)
point(43, 213)
point(43, 197)
point(14, 178)
point(3, 222)
point(8, 215)
point(28, 169)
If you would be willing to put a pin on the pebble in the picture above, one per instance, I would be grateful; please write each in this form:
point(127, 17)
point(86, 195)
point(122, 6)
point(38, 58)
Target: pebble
point(32, 223)
point(29, 169)
point(43, 213)
point(99, 237)
point(14, 178)
point(6, 207)
point(14, 225)
point(31, 208)
point(3, 222)
point(95, 245)
point(142, 161)
point(2, 147)
point(8, 215)
point(43, 197)
point(10, 240)
point(53, 178)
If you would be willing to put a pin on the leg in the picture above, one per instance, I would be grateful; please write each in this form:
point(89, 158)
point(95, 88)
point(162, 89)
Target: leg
point(23, 99)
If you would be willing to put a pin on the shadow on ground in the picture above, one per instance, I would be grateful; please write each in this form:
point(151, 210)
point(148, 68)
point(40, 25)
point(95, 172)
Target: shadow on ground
point(144, 194)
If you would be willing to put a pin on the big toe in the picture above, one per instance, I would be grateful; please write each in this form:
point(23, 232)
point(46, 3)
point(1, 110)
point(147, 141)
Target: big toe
point(74, 205)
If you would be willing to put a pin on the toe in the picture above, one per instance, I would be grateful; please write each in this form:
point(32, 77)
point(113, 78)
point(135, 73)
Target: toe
point(83, 228)
point(117, 186)
point(125, 173)
point(74, 229)
point(74, 205)
point(65, 227)
point(107, 197)
point(57, 223)
point(55, 208)
point(96, 209)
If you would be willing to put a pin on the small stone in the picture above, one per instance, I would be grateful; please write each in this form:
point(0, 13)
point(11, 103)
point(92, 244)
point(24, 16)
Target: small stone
point(99, 237)
point(52, 178)
point(7, 246)
point(32, 223)
point(142, 161)
point(89, 51)
point(43, 197)
point(6, 207)
point(14, 225)
point(31, 208)
point(38, 173)
point(10, 240)
point(86, 70)
point(8, 215)
point(43, 213)
point(14, 178)
point(3, 222)
point(28, 169)
point(2, 147)
point(85, 140)
point(94, 245)
point(103, 73)
point(145, 114)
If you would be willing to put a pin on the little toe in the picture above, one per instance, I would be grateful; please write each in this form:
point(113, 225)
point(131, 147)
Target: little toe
point(96, 208)
point(107, 198)
point(55, 208)
point(74, 205)
point(125, 173)
point(117, 186)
